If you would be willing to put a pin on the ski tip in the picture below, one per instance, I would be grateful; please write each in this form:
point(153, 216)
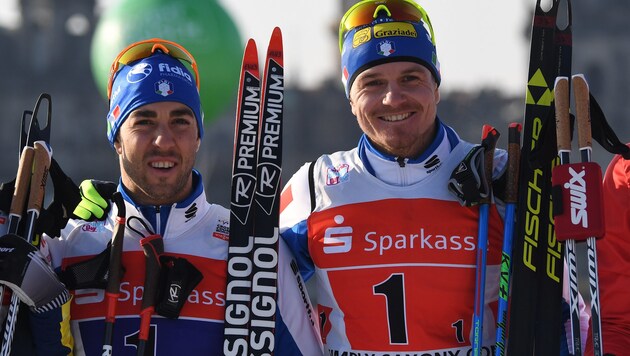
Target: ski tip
point(251, 45)
point(250, 57)
point(275, 49)
point(277, 32)
point(275, 43)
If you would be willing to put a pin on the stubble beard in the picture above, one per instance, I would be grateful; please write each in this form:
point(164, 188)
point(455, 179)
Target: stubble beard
point(149, 192)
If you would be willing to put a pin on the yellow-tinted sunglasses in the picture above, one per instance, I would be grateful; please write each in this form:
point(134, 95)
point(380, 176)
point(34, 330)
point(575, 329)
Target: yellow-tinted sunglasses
point(146, 48)
point(366, 11)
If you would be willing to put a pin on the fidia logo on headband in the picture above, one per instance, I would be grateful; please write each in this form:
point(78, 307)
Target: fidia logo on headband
point(391, 29)
point(165, 67)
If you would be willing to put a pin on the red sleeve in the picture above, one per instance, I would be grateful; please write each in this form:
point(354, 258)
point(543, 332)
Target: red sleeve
point(613, 255)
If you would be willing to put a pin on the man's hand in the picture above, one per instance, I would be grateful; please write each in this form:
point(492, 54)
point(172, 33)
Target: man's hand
point(468, 182)
point(30, 277)
point(95, 199)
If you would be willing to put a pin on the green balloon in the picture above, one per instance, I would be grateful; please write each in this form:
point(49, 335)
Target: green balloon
point(203, 27)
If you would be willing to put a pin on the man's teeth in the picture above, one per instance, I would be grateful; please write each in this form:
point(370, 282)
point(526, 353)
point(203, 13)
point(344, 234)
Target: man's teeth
point(398, 117)
point(162, 164)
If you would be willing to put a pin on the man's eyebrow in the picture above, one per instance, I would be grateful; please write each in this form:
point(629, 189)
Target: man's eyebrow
point(144, 113)
point(369, 76)
point(152, 113)
point(182, 112)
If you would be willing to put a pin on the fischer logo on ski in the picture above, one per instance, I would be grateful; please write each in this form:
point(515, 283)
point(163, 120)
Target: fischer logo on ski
point(535, 308)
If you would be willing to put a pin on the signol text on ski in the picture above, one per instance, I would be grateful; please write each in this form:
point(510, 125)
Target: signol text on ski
point(253, 247)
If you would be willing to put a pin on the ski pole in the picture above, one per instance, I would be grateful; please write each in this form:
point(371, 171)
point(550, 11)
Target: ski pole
point(34, 175)
point(19, 201)
point(115, 273)
point(563, 133)
point(582, 110)
point(489, 138)
point(511, 196)
point(153, 247)
point(41, 162)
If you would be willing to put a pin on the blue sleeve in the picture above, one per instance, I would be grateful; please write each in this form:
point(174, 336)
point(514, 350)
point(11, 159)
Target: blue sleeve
point(47, 333)
point(297, 239)
point(285, 344)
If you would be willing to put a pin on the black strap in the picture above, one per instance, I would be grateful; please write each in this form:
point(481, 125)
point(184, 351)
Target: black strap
point(311, 184)
point(546, 149)
point(90, 273)
point(603, 133)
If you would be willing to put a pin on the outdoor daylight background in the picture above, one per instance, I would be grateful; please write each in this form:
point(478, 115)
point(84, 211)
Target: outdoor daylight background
point(65, 47)
point(483, 47)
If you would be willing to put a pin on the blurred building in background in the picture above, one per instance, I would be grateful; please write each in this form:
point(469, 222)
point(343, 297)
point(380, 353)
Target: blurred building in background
point(48, 51)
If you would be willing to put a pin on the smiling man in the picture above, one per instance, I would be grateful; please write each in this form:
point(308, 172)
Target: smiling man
point(390, 249)
point(155, 126)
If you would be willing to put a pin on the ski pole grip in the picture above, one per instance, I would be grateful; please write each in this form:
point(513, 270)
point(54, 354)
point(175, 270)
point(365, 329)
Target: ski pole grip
point(563, 124)
point(41, 165)
point(582, 110)
point(489, 137)
point(25, 168)
point(514, 158)
point(153, 247)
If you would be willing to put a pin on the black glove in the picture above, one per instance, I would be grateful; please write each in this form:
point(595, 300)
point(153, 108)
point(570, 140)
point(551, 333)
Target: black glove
point(95, 203)
point(66, 197)
point(29, 276)
point(468, 182)
point(6, 195)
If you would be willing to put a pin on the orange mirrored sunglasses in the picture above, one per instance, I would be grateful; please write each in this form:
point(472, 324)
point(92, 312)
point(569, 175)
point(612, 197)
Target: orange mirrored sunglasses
point(146, 48)
point(364, 12)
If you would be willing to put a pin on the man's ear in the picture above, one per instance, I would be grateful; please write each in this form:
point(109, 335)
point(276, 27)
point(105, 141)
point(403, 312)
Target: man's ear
point(352, 107)
point(118, 146)
point(437, 94)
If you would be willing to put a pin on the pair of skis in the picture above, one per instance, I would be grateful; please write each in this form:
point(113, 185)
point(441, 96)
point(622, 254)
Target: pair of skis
point(542, 249)
point(253, 247)
point(535, 308)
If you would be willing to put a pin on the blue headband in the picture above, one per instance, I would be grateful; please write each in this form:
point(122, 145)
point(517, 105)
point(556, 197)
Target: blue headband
point(384, 42)
point(153, 79)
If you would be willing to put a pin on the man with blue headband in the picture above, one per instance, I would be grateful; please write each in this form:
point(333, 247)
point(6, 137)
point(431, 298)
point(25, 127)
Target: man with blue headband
point(389, 250)
point(155, 126)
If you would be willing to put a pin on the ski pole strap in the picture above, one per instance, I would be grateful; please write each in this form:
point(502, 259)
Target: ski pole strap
point(545, 151)
point(90, 273)
point(178, 278)
point(603, 133)
point(467, 182)
point(65, 197)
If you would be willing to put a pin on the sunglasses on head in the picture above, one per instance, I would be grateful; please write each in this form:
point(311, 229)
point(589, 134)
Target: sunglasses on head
point(146, 48)
point(366, 11)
